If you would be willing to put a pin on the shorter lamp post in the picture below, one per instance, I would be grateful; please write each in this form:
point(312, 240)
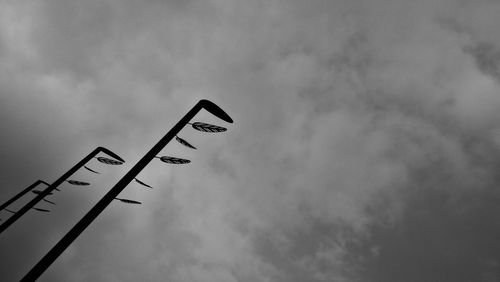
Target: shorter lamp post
point(22, 193)
point(47, 191)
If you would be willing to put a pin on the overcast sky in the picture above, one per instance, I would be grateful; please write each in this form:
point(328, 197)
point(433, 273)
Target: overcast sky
point(365, 144)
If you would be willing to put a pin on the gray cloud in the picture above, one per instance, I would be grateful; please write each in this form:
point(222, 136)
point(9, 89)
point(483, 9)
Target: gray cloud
point(487, 58)
point(364, 146)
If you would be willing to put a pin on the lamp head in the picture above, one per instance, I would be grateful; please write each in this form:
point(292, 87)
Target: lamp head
point(111, 154)
point(215, 110)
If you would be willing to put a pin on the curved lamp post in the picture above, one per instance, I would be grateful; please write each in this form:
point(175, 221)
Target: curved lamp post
point(20, 194)
point(47, 191)
point(57, 250)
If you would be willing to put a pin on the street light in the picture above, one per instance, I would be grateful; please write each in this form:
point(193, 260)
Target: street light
point(91, 215)
point(205, 127)
point(109, 161)
point(77, 183)
point(20, 194)
point(173, 160)
point(55, 184)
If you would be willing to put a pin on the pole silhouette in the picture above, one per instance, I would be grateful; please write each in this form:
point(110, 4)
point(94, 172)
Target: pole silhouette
point(54, 186)
point(20, 194)
point(92, 214)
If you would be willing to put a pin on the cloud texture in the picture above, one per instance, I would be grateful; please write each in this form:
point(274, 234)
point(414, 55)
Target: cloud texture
point(365, 145)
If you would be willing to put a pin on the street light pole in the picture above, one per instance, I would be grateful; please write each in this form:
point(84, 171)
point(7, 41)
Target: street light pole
point(59, 248)
point(20, 194)
point(54, 185)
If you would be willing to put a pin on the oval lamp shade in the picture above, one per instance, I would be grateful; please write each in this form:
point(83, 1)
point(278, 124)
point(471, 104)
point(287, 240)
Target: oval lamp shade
point(184, 142)
point(173, 160)
point(78, 183)
point(109, 161)
point(205, 127)
point(129, 201)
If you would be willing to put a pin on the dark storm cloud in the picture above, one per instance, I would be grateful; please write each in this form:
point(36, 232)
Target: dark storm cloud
point(487, 58)
point(364, 148)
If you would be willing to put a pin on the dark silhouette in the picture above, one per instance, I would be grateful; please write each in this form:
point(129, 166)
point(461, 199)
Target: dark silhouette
point(108, 161)
point(54, 185)
point(41, 210)
point(128, 201)
point(173, 160)
point(142, 183)
point(54, 253)
point(20, 194)
point(47, 201)
point(77, 183)
point(184, 142)
point(89, 169)
point(205, 127)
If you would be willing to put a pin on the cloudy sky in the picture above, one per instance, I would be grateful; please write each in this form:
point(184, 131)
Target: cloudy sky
point(365, 144)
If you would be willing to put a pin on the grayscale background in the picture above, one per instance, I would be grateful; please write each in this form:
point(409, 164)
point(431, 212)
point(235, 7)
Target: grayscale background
point(365, 147)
